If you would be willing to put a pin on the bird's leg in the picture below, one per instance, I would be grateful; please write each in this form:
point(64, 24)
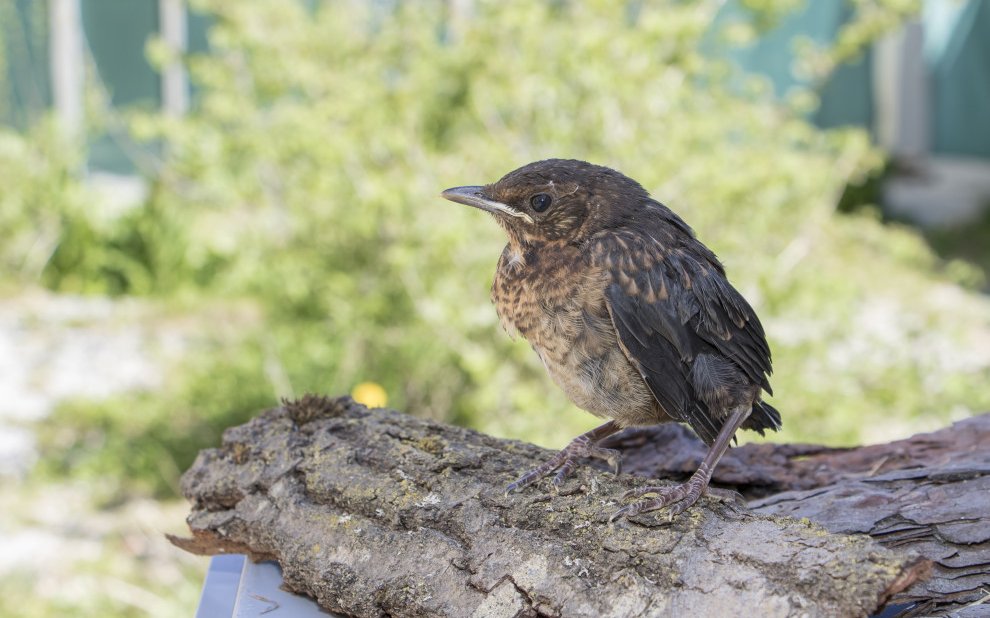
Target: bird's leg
point(581, 446)
point(680, 497)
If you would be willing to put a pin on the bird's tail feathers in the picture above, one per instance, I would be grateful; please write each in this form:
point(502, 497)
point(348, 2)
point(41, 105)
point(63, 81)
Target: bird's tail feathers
point(763, 417)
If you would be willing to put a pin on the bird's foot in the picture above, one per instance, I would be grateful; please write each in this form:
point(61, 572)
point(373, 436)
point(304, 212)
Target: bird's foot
point(566, 460)
point(678, 497)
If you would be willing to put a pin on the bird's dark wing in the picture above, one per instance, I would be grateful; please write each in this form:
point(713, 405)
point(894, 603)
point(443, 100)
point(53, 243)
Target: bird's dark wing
point(717, 313)
point(681, 323)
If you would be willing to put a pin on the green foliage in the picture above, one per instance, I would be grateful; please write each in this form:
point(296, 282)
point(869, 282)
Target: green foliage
point(145, 440)
point(869, 20)
point(58, 230)
point(66, 560)
point(965, 245)
point(40, 200)
point(305, 181)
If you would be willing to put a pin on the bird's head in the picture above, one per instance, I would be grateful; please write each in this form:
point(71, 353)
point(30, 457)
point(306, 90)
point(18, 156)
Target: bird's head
point(555, 200)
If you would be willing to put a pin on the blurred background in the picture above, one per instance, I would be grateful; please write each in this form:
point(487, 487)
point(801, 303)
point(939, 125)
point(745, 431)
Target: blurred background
point(209, 205)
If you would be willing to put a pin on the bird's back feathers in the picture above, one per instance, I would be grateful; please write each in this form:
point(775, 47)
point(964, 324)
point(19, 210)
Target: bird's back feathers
point(696, 341)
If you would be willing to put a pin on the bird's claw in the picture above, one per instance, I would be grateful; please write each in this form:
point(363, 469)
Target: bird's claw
point(677, 497)
point(566, 465)
point(639, 492)
point(564, 462)
point(562, 473)
point(518, 484)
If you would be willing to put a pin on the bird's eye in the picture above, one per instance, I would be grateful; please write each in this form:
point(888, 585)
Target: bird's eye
point(540, 202)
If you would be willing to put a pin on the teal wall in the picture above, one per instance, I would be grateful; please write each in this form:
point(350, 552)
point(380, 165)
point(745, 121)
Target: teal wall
point(957, 54)
point(25, 91)
point(116, 32)
point(845, 99)
point(957, 50)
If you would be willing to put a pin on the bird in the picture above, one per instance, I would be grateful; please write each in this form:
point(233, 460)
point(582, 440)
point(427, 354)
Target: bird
point(632, 316)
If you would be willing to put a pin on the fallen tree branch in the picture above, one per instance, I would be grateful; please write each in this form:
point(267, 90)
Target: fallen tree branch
point(929, 493)
point(377, 513)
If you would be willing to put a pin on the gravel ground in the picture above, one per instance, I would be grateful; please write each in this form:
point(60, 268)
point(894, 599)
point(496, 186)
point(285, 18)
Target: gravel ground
point(63, 554)
point(55, 347)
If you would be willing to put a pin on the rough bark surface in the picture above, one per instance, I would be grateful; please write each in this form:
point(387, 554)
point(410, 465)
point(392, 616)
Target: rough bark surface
point(929, 493)
point(373, 513)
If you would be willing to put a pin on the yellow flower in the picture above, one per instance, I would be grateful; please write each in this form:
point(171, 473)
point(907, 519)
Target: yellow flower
point(370, 394)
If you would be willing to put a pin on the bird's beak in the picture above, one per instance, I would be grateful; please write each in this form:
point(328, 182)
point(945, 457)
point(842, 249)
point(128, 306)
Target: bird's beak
point(475, 196)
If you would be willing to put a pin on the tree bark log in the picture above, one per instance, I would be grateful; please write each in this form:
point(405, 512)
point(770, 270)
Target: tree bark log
point(929, 493)
point(373, 513)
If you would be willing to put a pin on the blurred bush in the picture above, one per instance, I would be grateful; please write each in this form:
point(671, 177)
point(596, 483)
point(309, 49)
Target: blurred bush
point(40, 201)
point(305, 182)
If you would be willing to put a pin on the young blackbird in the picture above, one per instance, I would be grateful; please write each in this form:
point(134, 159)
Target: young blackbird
point(631, 315)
